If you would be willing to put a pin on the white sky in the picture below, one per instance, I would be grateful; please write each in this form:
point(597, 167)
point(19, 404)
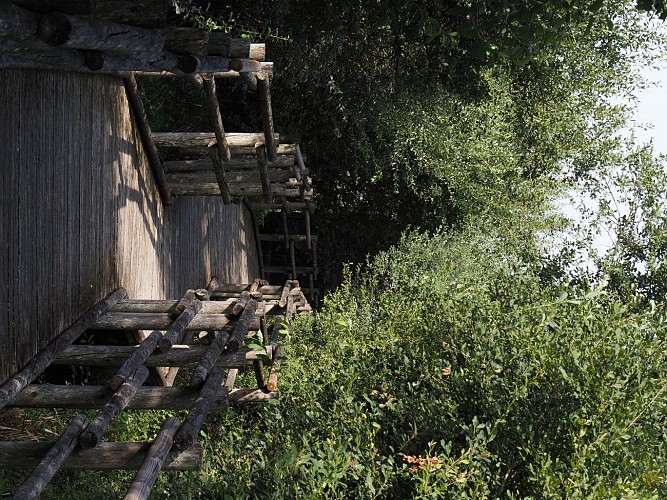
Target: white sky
point(652, 109)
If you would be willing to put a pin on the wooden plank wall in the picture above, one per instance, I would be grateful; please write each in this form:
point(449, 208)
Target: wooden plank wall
point(80, 214)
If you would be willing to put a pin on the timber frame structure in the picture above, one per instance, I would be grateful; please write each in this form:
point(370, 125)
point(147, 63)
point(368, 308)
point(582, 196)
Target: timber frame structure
point(215, 331)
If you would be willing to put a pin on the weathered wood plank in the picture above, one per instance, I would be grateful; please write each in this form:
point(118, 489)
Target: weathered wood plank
point(184, 356)
point(19, 455)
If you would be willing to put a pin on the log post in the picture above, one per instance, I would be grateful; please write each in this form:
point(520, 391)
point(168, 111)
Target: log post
point(266, 113)
point(263, 165)
point(39, 363)
point(216, 119)
point(284, 212)
point(292, 258)
point(93, 433)
point(208, 359)
point(258, 368)
point(278, 357)
point(189, 431)
point(79, 33)
point(175, 332)
point(53, 461)
point(141, 120)
point(219, 170)
point(137, 359)
point(306, 222)
point(242, 326)
point(231, 379)
point(153, 461)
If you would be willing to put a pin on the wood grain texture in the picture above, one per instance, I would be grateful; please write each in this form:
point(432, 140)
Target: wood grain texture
point(80, 212)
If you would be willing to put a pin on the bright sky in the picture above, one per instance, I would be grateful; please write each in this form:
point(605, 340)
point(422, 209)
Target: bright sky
point(652, 109)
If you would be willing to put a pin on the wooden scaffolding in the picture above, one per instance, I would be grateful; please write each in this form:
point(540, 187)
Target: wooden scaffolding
point(214, 333)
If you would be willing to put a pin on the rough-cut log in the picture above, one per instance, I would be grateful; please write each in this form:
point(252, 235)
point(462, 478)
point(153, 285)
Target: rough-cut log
point(234, 289)
point(157, 454)
point(203, 64)
point(222, 44)
point(150, 321)
point(283, 214)
point(211, 390)
point(239, 177)
point(220, 181)
point(16, 22)
point(146, 398)
point(190, 41)
point(263, 165)
point(93, 433)
point(231, 380)
point(144, 13)
point(267, 67)
point(306, 221)
point(184, 302)
point(216, 119)
point(278, 357)
point(175, 332)
point(53, 461)
point(241, 303)
point(108, 62)
point(235, 190)
point(257, 52)
point(266, 114)
point(179, 355)
point(18, 455)
point(80, 33)
point(209, 359)
point(286, 290)
point(206, 139)
point(137, 359)
point(169, 306)
point(258, 368)
point(242, 326)
point(314, 256)
point(39, 363)
point(240, 165)
point(146, 135)
point(292, 258)
point(245, 66)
